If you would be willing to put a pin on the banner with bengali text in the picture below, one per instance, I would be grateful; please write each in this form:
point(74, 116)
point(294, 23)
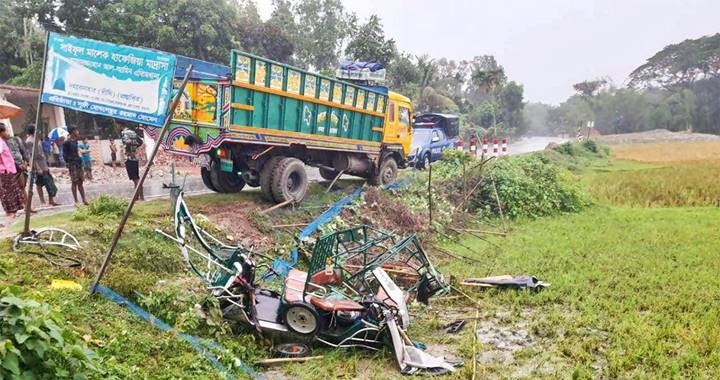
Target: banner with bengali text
point(106, 79)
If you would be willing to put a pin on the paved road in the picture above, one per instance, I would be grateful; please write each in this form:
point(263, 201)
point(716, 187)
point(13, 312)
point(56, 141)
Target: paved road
point(532, 144)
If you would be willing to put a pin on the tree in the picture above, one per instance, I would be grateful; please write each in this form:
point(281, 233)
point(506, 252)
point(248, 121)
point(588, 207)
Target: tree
point(590, 88)
point(680, 64)
point(323, 26)
point(487, 74)
point(432, 101)
point(368, 43)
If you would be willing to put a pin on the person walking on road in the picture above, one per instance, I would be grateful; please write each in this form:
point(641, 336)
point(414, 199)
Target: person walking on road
point(132, 142)
point(86, 159)
point(113, 154)
point(41, 169)
point(11, 196)
point(74, 164)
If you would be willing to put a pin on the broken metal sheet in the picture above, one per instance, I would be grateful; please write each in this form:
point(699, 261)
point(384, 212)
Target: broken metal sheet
point(411, 359)
point(506, 282)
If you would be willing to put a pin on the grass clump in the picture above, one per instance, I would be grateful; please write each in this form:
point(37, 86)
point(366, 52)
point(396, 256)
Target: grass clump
point(103, 206)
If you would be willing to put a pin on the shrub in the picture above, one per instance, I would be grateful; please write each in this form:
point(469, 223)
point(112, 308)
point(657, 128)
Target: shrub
point(529, 186)
point(103, 206)
point(34, 346)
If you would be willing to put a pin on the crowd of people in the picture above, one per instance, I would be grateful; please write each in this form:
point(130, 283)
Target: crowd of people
point(69, 151)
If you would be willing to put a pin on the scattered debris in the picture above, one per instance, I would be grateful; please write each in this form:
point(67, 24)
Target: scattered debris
point(344, 299)
point(287, 360)
point(65, 285)
point(455, 326)
point(506, 282)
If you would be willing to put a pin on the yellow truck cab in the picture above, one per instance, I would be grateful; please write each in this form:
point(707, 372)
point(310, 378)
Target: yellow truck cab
point(398, 123)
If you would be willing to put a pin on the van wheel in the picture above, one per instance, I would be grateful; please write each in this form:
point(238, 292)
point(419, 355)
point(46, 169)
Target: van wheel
point(266, 174)
point(205, 175)
point(289, 181)
point(386, 174)
point(328, 174)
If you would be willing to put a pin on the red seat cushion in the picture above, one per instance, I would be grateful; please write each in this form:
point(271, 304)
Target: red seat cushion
point(335, 304)
point(295, 285)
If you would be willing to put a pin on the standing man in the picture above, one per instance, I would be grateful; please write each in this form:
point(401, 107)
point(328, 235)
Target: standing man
point(132, 142)
point(41, 169)
point(17, 147)
point(86, 159)
point(11, 196)
point(74, 164)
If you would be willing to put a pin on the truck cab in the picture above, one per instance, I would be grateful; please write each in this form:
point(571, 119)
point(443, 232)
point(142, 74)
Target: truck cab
point(432, 134)
point(398, 127)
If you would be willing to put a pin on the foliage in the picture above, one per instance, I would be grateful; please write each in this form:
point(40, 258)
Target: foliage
point(680, 64)
point(368, 43)
point(529, 186)
point(102, 206)
point(186, 305)
point(34, 346)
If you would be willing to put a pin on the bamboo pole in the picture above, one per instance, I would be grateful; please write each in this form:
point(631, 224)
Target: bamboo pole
point(126, 215)
point(277, 206)
point(38, 115)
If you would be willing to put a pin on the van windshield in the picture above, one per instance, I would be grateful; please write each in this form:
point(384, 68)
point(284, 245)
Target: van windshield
point(420, 136)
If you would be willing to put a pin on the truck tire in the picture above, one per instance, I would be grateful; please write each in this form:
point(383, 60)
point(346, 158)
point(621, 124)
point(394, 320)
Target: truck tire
point(266, 174)
point(225, 182)
point(205, 175)
point(289, 181)
point(386, 174)
point(328, 174)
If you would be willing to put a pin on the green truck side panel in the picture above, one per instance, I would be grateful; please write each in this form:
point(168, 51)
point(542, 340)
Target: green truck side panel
point(275, 112)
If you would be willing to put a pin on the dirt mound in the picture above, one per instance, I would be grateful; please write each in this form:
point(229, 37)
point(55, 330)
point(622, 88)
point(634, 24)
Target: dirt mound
point(241, 223)
point(381, 210)
point(655, 136)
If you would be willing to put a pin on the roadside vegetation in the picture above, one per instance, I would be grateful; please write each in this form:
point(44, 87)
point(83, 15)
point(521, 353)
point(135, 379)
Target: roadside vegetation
point(631, 296)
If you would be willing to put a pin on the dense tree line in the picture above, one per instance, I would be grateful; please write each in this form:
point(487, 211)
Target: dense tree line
point(677, 89)
point(313, 34)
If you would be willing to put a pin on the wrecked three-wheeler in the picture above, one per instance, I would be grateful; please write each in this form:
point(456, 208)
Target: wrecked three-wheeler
point(354, 292)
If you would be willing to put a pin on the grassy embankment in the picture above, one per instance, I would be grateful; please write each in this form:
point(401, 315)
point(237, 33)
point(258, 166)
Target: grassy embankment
point(632, 293)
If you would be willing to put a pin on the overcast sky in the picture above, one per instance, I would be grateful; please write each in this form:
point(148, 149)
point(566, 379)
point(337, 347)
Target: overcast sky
point(547, 45)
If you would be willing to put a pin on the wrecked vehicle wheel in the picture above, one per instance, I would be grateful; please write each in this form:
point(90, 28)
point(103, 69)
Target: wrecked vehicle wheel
point(291, 350)
point(302, 319)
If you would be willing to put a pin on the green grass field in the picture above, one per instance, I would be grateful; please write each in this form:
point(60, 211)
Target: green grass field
point(634, 291)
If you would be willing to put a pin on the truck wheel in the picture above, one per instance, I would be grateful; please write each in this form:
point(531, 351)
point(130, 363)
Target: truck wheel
point(266, 174)
point(328, 174)
point(225, 182)
point(289, 181)
point(387, 173)
point(205, 175)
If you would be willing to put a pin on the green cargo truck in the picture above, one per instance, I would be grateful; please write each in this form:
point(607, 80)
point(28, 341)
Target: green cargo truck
point(260, 124)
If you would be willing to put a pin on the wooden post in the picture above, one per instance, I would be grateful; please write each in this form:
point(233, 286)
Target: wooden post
point(38, 116)
point(430, 194)
point(130, 205)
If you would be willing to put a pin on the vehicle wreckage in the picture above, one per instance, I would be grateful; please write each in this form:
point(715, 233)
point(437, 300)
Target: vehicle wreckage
point(348, 297)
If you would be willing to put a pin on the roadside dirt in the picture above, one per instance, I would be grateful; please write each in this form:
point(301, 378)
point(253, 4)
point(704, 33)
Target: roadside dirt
point(655, 136)
point(241, 223)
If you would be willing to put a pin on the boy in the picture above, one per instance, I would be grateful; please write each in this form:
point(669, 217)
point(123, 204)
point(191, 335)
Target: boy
point(41, 169)
point(86, 159)
point(74, 164)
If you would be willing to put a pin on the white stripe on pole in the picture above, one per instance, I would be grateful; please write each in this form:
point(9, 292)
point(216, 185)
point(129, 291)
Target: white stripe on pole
point(504, 146)
point(485, 147)
point(495, 147)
